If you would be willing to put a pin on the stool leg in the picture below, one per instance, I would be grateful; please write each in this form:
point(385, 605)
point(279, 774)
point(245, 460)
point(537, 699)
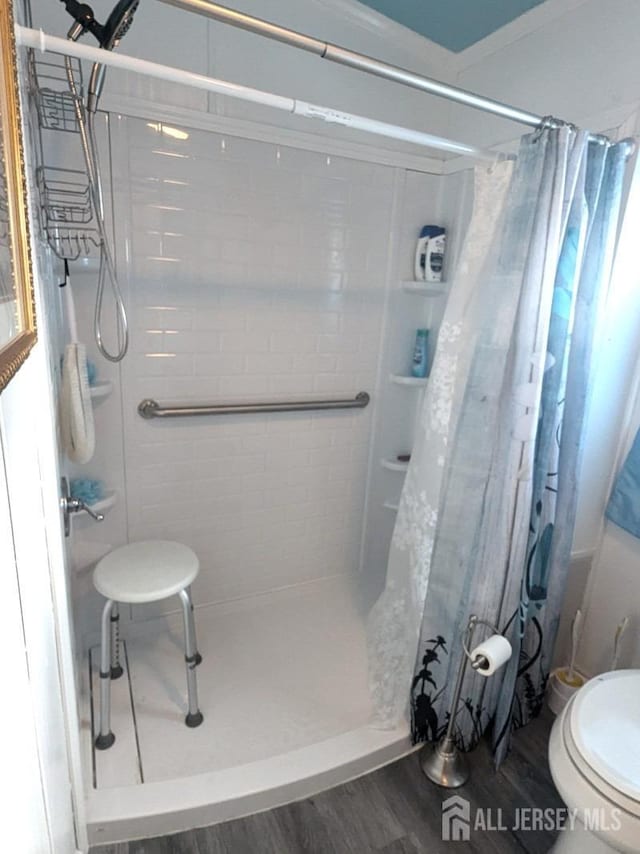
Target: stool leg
point(193, 623)
point(116, 667)
point(105, 737)
point(194, 718)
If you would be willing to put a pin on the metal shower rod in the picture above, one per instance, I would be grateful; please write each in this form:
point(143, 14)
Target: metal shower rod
point(360, 61)
point(325, 50)
point(46, 43)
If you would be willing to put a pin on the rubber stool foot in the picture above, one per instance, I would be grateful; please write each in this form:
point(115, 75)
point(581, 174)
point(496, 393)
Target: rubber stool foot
point(103, 742)
point(116, 672)
point(194, 720)
point(198, 659)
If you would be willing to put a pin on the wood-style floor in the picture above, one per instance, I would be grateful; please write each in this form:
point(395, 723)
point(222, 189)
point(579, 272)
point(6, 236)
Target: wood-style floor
point(394, 810)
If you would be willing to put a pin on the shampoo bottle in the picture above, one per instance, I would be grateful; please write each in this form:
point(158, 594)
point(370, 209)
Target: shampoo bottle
point(429, 257)
point(419, 361)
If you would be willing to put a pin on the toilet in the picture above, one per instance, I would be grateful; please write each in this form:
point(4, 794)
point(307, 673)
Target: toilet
point(594, 756)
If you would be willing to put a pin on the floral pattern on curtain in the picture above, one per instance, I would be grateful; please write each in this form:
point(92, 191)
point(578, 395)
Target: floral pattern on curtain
point(495, 458)
point(394, 622)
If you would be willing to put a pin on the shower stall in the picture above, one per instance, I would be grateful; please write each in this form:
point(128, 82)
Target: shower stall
point(251, 272)
point(258, 308)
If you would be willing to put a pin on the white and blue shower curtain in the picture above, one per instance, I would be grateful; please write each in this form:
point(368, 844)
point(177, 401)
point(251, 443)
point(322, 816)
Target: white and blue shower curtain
point(486, 517)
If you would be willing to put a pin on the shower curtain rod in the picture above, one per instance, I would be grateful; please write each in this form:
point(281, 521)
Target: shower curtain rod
point(46, 43)
point(361, 62)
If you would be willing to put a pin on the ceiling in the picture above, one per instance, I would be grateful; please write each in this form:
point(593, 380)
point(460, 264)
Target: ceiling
point(454, 24)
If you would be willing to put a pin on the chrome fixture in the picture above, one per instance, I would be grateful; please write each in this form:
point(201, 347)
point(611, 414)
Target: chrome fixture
point(116, 27)
point(108, 36)
point(359, 61)
point(70, 505)
point(443, 763)
point(368, 64)
point(152, 409)
point(47, 43)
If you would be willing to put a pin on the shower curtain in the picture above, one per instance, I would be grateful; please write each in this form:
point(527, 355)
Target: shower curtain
point(497, 449)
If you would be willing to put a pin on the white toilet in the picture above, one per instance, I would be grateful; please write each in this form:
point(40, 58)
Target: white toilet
point(594, 756)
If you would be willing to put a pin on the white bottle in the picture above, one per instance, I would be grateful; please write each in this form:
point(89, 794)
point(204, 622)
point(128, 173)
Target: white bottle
point(430, 254)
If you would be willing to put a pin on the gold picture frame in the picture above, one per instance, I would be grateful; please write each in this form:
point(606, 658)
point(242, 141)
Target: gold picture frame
point(17, 301)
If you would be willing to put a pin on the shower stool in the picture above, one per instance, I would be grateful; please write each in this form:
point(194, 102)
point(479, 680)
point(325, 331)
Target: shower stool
point(134, 574)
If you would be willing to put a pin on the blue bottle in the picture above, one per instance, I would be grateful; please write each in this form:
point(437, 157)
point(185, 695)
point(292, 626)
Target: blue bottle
point(419, 361)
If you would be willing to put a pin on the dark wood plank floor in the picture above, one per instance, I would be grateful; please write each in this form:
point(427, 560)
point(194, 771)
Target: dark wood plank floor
point(394, 810)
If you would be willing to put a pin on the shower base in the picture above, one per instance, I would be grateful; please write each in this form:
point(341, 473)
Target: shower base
point(284, 696)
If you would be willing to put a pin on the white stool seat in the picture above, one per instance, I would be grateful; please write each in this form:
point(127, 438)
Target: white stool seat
point(146, 571)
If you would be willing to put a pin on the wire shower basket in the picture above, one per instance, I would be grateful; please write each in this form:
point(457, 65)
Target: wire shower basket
point(51, 93)
point(67, 212)
point(68, 218)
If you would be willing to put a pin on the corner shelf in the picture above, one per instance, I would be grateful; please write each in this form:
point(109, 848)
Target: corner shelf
point(425, 289)
point(389, 505)
point(416, 382)
point(100, 390)
point(394, 465)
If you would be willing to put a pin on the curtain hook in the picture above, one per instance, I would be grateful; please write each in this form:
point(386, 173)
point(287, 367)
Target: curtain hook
point(549, 123)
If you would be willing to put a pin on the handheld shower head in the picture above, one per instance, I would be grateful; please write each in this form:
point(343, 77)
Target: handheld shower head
point(118, 23)
point(116, 27)
point(108, 36)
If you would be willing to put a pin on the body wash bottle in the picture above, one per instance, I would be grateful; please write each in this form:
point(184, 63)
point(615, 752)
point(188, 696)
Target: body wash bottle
point(419, 361)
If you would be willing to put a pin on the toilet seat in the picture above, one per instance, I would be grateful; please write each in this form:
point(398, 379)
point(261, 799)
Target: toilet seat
point(601, 732)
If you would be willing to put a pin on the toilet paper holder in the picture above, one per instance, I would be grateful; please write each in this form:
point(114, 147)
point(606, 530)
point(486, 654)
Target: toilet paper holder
point(443, 763)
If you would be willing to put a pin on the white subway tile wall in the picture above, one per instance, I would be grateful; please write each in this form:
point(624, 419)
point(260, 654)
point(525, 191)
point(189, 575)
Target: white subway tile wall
point(253, 272)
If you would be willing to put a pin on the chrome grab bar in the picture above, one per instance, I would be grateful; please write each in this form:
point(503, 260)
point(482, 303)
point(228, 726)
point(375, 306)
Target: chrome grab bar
point(152, 409)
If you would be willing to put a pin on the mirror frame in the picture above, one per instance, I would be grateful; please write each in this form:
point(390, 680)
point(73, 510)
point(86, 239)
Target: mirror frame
point(14, 352)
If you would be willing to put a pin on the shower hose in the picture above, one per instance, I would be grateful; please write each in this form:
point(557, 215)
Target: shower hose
point(106, 269)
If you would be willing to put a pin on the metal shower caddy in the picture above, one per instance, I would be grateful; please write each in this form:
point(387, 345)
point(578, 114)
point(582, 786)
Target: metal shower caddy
point(67, 216)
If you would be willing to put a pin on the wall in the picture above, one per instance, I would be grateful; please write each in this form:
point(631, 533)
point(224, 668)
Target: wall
point(251, 271)
point(40, 712)
point(25, 824)
point(274, 289)
point(575, 60)
point(35, 711)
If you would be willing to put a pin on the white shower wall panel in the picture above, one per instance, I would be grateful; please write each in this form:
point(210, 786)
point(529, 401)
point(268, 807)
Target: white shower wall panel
point(252, 272)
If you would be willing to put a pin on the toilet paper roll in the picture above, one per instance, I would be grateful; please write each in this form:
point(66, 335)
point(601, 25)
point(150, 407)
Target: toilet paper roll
point(496, 651)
